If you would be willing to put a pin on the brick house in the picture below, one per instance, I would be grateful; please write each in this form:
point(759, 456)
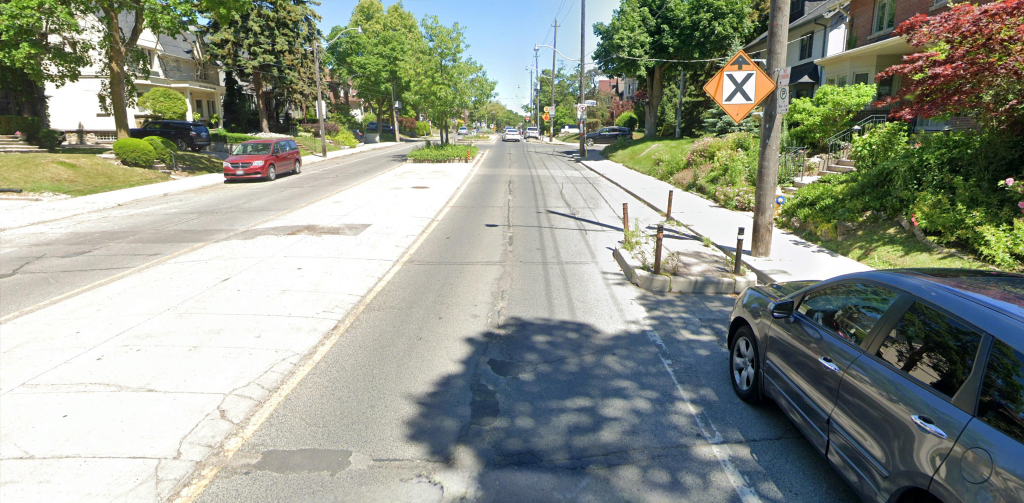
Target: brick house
point(871, 48)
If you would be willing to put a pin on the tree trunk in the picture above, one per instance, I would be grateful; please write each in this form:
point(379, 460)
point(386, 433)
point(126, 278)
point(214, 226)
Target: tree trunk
point(261, 101)
point(394, 115)
point(655, 90)
point(115, 68)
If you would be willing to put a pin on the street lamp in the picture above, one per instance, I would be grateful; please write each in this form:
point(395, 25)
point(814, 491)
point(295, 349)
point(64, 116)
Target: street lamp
point(319, 91)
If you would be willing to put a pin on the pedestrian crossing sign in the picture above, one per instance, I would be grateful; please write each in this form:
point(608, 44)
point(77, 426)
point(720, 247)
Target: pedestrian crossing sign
point(740, 86)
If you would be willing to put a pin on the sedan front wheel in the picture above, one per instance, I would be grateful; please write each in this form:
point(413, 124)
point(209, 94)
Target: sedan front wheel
point(590, 142)
point(745, 366)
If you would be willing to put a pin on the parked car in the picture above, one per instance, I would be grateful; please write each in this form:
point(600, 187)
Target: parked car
point(570, 129)
point(184, 134)
point(463, 131)
point(263, 159)
point(532, 132)
point(372, 128)
point(910, 382)
point(359, 135)
point(608, 135)
point(512, 134)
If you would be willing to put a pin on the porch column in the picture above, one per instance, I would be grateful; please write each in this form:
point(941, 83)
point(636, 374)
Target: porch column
point(218, 100)
point(188, 101)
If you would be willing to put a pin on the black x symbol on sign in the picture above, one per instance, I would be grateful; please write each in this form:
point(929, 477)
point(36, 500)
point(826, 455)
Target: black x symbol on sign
point(739, 86)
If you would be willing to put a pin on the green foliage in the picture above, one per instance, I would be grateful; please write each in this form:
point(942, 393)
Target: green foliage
point(10, 124)
point(627, 120)
point(162, 147)
point(346, 138)
point(226, 137)
point(443, 153)
point(422, 128)
point(716, 122)
point(48, 139)
point(134, 152)
point(164, 103)
point(813, 120)
point(43, 40)
point(948, 185)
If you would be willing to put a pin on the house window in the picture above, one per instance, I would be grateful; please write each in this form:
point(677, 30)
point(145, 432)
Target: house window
point(831, 81)
point(807, 46)
point(860, 78)
point(885, 88)
point(199, 107)
point(209, 108)
point(842, 81)
point(885, 15)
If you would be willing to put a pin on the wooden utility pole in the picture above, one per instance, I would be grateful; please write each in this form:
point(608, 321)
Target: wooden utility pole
point(771, 132)
point(583, 69)
point(554, 48)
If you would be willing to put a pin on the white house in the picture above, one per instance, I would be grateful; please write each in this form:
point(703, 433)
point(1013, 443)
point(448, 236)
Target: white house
point(816, 30)
point(175, 63)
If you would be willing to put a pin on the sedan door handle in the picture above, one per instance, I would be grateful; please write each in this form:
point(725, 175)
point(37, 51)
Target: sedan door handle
point(926, 424)
point(827, 363)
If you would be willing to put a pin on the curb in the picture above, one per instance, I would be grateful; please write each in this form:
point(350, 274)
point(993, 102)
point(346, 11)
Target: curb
point(762, 276)
point(658, 283)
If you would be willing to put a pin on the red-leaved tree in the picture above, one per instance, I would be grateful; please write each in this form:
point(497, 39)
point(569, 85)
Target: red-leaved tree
point(970, 63)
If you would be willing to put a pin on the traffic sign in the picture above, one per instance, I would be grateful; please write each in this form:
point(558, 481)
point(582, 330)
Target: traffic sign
point(740, 86)
point(547, 117)
point(581, 109)
point(547, 109)
point(782, 97)
point(590, 103)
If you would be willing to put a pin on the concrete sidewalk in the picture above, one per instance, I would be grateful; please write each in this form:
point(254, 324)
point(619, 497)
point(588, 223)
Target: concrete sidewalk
point(119, 393)
point(791, 258)
point(22, 213)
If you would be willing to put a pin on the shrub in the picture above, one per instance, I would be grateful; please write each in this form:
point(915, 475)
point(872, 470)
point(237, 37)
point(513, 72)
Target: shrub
point(422, 128)
point(164, 103)
point(330, 128)
point(226, 137)
point(368, 118)
point(627, 119)
point(593, 125)
point(812, 121)
point(716, 122)
point(407, 125)
point(162, 147)
point(345, 137)
point(134, 152)
point(442, 153)
point(48, 139)
point(882, 145)
point(10, 124)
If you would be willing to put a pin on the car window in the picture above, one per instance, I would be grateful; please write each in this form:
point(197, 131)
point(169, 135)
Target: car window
point(252, 149)
point(154, 125)
point(933, 347)
point(848, 309)
point(1002, 392)
point(292, 145)
point(200, 129)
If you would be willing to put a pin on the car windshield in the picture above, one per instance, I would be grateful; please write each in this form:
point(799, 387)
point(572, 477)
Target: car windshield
point(200, 129)
point(531, 129)
point(252, 149)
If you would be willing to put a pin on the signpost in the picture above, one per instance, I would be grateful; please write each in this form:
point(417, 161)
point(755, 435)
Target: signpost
point(783, 89)
point(740, 86)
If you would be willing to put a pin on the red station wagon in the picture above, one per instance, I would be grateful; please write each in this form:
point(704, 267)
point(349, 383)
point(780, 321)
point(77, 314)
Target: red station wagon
point(263, 159)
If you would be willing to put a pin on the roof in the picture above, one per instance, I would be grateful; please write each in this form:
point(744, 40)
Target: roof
point(812, 11)
point(180, 45)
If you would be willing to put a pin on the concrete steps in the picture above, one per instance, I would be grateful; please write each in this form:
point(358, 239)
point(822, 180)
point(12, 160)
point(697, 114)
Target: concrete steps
point(11, 144)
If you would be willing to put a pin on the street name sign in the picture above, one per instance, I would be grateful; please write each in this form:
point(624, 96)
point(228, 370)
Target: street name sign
point(740, 86)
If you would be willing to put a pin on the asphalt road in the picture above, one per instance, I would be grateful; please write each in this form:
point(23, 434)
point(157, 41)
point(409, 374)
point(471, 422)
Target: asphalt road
point(508, 360)
point(46, 261)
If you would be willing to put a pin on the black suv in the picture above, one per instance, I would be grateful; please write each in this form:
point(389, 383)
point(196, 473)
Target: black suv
point(184, 134)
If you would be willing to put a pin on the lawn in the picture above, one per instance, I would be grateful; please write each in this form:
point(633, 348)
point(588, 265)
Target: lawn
point(887, 245)
point(639, 155)
point(198, 163)
point(75, 174)
point(310, 144)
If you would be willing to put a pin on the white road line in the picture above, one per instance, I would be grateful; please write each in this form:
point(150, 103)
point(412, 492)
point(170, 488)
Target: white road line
point(198, 484)
point(707, 429)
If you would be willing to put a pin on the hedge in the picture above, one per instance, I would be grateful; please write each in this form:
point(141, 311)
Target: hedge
point(443, 153)
point(226, 137)
point(10, 124)
point(134, 152)
point(314, 127)
point(162, 147)
point(48, 139)
point(346, 138)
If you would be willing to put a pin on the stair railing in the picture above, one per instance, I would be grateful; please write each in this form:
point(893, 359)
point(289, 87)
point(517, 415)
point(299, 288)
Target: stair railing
point(839, 143)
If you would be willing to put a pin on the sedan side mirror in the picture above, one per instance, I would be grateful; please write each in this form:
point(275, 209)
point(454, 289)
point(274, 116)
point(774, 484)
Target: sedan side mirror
point(781, 310)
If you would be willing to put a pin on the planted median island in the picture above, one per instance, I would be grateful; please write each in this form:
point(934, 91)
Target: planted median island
point(444, 153)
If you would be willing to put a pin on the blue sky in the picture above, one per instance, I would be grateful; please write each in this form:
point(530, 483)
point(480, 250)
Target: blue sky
point(501, 34)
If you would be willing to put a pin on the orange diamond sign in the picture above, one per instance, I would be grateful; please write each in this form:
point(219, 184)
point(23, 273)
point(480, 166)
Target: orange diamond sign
point(740, 86)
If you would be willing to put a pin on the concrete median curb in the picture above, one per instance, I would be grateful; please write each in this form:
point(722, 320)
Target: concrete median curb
point(659, 283)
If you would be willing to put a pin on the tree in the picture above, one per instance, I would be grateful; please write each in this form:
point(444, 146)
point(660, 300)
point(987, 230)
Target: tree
point(164, 103)
point(970, 64)
point(270, 46)
point(813, 120)
point(642, 32)
point(380, 59)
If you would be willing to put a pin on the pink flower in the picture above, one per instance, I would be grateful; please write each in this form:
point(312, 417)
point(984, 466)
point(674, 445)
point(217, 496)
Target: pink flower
point(913, 218)
point(1009, 181)
point(1020, 204)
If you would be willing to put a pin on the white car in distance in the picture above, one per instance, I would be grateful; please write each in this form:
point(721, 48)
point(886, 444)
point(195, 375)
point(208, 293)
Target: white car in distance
point(532, 132)
point(511, 134)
